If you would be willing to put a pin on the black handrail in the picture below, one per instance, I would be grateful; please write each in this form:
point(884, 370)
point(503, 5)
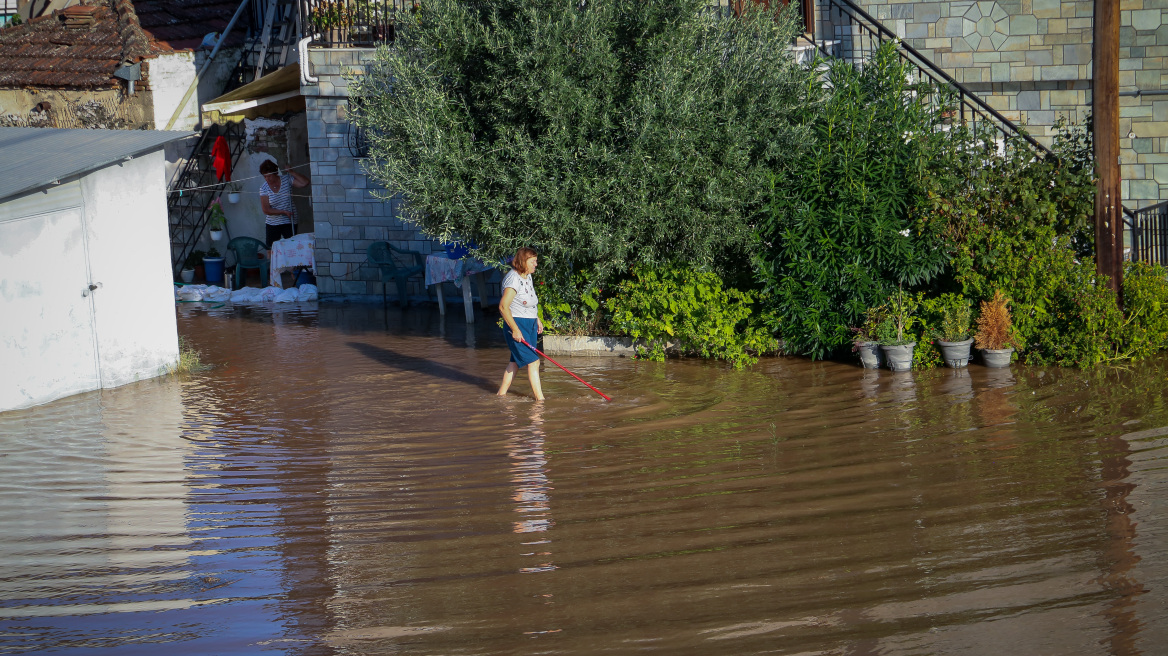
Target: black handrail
point(1149, 233)
point(863, 20)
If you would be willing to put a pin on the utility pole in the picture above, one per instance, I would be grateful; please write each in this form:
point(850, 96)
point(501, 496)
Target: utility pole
point(1105, 111)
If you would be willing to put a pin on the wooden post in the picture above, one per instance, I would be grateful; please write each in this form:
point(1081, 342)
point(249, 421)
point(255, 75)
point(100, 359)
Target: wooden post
point(1105, 109)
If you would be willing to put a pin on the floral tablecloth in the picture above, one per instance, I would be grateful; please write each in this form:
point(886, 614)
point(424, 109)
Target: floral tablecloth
point(440, 268)
point(287, 254)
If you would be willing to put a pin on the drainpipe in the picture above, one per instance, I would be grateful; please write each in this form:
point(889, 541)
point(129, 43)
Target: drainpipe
point(306, 78)
point(1144, 92)
point(195, 84)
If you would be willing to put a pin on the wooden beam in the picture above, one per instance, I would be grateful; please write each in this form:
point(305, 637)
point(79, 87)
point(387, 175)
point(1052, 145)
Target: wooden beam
point(1105, 110)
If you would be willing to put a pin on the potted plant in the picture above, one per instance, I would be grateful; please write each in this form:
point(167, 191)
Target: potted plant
point(331, 19)
point(954, 337)
point(193, 264)
point(894, 332)
point(995, 332)
point(217, 221)
point(233, 189)
point(213, 263)
point(865, 342)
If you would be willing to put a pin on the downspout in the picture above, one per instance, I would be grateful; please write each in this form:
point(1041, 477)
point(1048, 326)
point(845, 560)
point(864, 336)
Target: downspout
point(306, 78)
point(195, 83)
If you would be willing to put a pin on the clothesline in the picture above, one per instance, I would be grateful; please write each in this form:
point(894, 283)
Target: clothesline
point(212, 186)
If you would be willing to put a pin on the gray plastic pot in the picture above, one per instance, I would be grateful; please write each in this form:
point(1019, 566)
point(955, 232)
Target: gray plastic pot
point(956, 354)
point(870, 354)
point(899, 357)
point(996, 358)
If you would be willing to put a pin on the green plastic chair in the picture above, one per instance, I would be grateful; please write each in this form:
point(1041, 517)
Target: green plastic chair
point(246, 251)
point(388, 260)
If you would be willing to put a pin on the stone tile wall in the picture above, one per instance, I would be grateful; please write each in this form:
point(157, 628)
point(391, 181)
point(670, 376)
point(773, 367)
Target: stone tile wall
point(347, 216)
point(1031, 60)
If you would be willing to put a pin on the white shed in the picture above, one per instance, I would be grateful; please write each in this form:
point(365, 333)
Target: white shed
point(86, 296)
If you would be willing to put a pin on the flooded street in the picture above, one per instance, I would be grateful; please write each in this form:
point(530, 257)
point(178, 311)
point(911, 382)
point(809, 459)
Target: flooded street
point(343, 481)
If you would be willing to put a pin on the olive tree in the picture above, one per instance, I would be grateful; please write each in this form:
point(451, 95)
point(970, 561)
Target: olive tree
point(605, 133)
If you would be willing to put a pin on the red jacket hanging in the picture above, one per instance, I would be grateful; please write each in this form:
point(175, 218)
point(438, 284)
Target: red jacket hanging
point(221, 153)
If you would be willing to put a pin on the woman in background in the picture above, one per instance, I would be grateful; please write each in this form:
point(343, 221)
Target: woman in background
point(276, 199)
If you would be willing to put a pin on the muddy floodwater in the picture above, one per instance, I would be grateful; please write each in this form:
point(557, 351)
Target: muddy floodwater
point(343, 481)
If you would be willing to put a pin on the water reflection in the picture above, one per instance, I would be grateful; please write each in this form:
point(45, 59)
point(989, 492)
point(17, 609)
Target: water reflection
point(344, 481)
point(532, 490)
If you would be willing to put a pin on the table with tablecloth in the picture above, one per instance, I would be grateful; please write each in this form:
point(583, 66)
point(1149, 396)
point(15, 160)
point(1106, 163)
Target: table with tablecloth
point(288, 254)
point(440, 269)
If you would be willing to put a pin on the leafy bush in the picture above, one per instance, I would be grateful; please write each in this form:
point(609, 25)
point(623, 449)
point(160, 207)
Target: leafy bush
point(693, 312)
point(837, 233)
point(955, 318)
point(572, 307)
point(1145, 296)
point(604, 133)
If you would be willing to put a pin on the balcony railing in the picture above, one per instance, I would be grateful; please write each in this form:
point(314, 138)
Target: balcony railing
point(352, 23)
point(1148, 232)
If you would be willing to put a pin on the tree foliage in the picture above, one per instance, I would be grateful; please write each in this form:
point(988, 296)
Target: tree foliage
point(838, 233)
point(604, 133)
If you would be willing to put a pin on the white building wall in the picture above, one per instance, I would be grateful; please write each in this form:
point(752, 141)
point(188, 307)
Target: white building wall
point(57, 338)
point(171, 75)
point(129, 247)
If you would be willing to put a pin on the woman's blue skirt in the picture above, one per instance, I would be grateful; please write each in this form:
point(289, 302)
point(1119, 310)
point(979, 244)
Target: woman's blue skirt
point(520, 353)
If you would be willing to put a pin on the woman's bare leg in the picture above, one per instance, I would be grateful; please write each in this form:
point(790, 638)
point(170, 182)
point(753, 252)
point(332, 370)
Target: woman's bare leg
point(533, 375)
point(508, 375)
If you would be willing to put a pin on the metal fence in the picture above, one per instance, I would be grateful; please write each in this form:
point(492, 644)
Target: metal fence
point(355, 23)
point(1148, 233)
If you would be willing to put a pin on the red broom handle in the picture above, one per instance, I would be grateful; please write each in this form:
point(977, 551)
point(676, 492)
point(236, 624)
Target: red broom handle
point(566, 369)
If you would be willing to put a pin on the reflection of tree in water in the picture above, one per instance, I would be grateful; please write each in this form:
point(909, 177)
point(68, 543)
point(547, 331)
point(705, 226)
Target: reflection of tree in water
point(532, 490)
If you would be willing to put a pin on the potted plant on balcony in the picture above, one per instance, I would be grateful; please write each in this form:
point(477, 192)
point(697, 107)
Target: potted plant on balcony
point(894, 332)
point(217, 220)
point(954, 337)
point(233, 189)
point(995, 332)
point(331, 20)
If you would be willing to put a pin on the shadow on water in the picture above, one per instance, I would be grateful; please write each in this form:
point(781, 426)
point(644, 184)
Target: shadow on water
point(404, 362)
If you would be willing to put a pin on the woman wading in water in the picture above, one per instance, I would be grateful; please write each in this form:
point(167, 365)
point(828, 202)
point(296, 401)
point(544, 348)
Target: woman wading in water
point(518, 308)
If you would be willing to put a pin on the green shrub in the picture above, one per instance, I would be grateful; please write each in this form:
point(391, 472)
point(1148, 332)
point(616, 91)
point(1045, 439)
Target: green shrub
point(838, 236)
point(603, 133)
point(1145, 298)
point(692, 311)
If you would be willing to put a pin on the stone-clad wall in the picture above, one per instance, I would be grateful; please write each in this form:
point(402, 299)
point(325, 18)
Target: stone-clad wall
point(346, 216)
point(1031, 60)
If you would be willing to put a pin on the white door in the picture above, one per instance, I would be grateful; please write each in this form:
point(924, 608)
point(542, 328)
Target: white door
point(47, 338)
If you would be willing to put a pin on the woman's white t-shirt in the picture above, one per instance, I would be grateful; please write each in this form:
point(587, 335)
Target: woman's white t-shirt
point(523, 306)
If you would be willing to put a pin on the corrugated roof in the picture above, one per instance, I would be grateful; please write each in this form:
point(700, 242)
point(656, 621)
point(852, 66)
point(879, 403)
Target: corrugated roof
point(46, 52)
point(33, 158)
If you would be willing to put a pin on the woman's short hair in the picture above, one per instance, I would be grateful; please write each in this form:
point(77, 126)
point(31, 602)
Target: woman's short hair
point(268, 167)
point(521, 257)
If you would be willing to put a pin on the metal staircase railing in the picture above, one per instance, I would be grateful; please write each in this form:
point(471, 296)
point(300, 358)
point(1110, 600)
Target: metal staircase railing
point(195, 186)
point(843, 30)
point(1149, 233)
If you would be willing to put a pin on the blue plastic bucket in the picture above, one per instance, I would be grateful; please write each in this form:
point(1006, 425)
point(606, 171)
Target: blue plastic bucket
point(213, 266)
